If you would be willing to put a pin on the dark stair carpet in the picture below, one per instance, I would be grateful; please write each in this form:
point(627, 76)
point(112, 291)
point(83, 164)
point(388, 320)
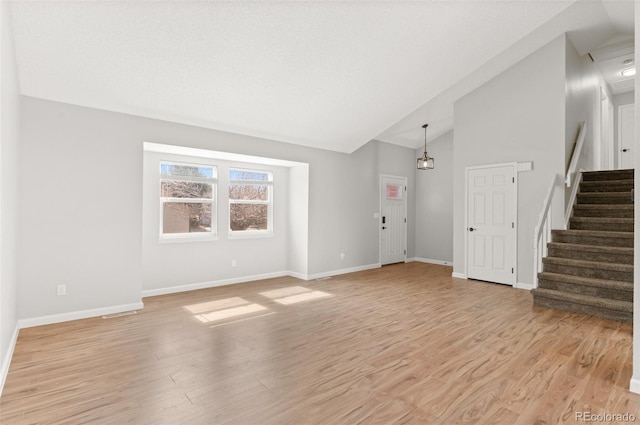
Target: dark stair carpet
point(589, 267)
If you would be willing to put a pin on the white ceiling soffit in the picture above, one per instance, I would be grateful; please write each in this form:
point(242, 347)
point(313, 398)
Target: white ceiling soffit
point(588, 25)
point(331, 75)
point(611, 59)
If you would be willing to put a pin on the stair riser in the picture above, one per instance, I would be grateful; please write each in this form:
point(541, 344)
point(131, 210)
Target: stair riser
point(589, 272)
point(586, 290)
point(606, 187)
point(594, 198)
point(609, 227)
point(622, 316)
point(593, 240)
point(610, 213)
point(602, 257)
point(609, 175)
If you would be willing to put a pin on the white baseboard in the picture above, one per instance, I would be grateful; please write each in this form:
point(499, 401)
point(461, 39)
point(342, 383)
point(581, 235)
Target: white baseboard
point(297, 275)
point(343, 271)
point(634, 385)
point(431, 261)
point(527, 286)
point(243, 279)
point(459, 275)
point(211, 284)
point(75, 315)
point(7, 358)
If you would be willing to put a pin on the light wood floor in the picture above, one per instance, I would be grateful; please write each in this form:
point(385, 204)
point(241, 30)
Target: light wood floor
point(405, 344)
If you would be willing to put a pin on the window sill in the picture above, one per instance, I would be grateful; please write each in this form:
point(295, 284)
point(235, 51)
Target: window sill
point(250, 235)
point(187, 238)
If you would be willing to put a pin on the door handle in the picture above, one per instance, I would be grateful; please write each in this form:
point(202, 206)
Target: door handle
point(383, 227)
point(471, 229)
point(625, 150)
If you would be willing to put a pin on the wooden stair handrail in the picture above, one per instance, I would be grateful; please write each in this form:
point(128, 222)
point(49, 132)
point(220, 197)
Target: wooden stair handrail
point(573, 165)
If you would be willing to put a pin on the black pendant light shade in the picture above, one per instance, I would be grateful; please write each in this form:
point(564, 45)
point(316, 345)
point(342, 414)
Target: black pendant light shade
point(425, 162)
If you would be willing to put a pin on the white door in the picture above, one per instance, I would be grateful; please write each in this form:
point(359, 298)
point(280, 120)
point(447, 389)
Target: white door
point(393, 219)
point(491, 211)
point(626, 129)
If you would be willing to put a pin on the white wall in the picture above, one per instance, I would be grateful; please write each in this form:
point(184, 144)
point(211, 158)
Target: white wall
point(298, 215)
point(85, 165)
point(581, 95)
point(9, 136)
point(619, 100)
point(81, 212)
point(582, 103)
point(635, 379)
point(397, 161)
point(516, 117)
point(434, 203)
point(175, 264)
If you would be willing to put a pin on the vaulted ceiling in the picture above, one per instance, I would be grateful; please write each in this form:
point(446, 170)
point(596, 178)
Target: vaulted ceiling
point(331, 75)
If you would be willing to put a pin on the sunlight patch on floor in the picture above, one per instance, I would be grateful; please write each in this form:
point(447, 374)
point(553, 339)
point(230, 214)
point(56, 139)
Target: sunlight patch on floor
point(294, 294)
point(285, 292)
point(307, 296)
point(230, 312)
point(215, 305)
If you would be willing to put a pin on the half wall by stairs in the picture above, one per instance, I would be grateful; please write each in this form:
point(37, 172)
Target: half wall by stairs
point(589, 268)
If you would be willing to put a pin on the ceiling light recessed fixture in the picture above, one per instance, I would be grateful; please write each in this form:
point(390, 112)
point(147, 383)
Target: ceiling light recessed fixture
point(425, 162)
point(629, 72)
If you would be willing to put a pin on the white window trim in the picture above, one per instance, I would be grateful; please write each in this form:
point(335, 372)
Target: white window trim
point(246, 234)
point(194, 236)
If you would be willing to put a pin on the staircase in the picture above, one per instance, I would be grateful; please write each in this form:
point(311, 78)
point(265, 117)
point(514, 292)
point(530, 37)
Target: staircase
point(589, 268)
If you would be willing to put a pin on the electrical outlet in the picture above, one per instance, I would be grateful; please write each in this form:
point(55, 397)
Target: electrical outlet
point(233, 263)
point(62, 289)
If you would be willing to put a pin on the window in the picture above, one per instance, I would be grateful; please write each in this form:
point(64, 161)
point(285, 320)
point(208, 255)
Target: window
point(187, 200)
point(250, 201)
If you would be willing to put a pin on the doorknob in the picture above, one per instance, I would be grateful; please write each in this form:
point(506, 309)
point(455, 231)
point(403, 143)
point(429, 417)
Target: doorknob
point(383, 227)
point(471, 229)
point(625, 150)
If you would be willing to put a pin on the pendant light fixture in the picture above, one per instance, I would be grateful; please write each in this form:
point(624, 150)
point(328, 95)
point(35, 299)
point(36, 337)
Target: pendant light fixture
point(425, 162)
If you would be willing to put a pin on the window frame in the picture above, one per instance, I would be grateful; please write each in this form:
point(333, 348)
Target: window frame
point(188, 236)
point(268, 232)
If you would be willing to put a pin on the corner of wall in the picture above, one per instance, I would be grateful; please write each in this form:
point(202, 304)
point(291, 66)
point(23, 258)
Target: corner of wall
point(6, 360)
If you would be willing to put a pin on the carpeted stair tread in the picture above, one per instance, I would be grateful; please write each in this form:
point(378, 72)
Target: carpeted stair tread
point(613, 224)
point(588, 264)
point(593, 248)
point(593, 237)
point(595, 287)
point(587, 281)
point(605, 197)
point(596, 233)
point(603, 210)
point(585, 304)
point(612, 254)
point(606, 186)
point(589, 268)
point(607, 175)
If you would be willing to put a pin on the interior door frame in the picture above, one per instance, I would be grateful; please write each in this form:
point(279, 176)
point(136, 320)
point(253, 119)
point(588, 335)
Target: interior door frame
point(380, 200)
point(619, 124)
point(515, 215)
point(606, 131)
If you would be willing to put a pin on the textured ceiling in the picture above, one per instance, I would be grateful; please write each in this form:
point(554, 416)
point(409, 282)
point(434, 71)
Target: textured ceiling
point(331, 75)
point(588, 24)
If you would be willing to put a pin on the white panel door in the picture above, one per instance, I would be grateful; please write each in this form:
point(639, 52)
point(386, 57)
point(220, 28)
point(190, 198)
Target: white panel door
point(393, 234)
point(491, 224)
point(626, 129)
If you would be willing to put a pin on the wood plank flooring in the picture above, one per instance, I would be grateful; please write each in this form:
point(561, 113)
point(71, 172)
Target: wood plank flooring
point(404, 344)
